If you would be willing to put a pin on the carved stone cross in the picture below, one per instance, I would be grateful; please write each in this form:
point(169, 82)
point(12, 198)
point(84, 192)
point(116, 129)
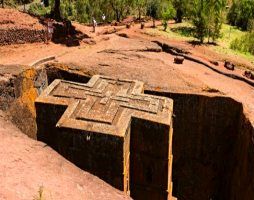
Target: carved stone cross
point(111, 129)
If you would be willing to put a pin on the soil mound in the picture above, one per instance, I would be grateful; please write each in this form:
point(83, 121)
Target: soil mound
point(18, 28)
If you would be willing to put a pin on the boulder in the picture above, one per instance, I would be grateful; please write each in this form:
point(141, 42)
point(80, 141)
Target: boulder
point(249, 74)
point(142, 25)
point(230, 66)
point(216, 63)
point(179, 59)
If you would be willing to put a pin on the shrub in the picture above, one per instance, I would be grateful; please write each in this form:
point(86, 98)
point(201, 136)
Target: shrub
point(244, 44)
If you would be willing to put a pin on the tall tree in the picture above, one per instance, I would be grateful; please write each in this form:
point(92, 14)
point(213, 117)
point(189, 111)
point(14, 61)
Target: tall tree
point(182, 8)
point(207, 18)
point(121, 8)
point(241, 13)
point(200, 19)
point(218, 8)
point(82, 10)
point(57, 11)
point(153, 9)
point(141, 6)
point(167, 14)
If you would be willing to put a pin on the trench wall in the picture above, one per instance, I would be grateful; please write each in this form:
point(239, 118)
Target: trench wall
point(17, 97)
point(212, 147)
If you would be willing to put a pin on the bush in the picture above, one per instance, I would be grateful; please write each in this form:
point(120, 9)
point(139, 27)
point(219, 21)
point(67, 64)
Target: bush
point(38, 9)
point(244, 44)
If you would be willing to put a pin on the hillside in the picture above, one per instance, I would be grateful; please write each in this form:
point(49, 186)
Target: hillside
point(17, 28)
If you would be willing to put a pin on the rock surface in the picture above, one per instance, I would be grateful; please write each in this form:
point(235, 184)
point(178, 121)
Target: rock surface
point(28, 166)
point(18, 28)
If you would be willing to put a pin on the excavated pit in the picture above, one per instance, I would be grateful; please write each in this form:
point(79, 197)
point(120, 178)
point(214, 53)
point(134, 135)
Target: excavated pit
point(213, 142)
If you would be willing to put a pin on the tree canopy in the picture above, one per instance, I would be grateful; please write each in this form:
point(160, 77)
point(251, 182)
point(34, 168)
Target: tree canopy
point(241, 14)
point(206, 16)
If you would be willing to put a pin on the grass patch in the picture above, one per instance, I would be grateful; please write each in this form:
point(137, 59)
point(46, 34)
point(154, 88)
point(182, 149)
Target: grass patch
point(40, 195)
point(231, 52)
point(185, 32)
point(181, 31)
point(228, 35)
point(244, 43)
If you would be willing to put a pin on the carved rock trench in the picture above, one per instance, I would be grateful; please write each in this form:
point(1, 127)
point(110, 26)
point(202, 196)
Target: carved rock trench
point(213, 144)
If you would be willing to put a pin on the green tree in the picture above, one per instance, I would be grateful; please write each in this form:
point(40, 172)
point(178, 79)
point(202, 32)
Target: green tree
point(207, 18)
point(82, 9)
point(141, 6)
point(200, 19)
point(67, 9)
point(153, 9)
point(182, 9)
point(167, 14)
point(121, 8)
point(218, 9)
point(241, 13)
point(215, 18)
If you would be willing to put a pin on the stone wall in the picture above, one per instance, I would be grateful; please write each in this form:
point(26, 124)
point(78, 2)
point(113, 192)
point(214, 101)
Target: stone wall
point(150, 156)
point(21, 36)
